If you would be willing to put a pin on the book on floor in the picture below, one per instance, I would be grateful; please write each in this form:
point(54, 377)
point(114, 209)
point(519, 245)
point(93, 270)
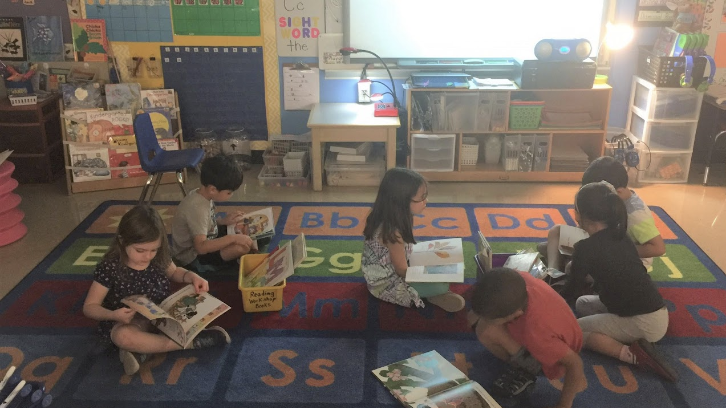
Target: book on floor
point(569, 236)
point(278, 265)
point(257, 224)
point(182, 315)
point(441, 260)
point(484, 252)
point(428, 380)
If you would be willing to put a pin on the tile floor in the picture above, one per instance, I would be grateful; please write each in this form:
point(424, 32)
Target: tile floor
point(51, 214)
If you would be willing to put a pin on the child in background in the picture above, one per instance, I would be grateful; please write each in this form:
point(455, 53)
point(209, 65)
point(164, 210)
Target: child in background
point(641, 225)
point(138, 262)
point(629, 312)
point(388, 242)
point(524, 322)
point(197, 242)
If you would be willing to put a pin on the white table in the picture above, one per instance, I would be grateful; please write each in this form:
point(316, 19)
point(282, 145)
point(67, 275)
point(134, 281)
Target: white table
point(349, 122)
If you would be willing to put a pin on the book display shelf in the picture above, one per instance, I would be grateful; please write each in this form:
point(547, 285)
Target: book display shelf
point(506, 135)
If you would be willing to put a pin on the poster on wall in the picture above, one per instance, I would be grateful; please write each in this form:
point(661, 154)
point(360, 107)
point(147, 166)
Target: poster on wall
point(45, 38)
point(89, 40)
point(216, 17)
point(299, 23)
point(12, 39)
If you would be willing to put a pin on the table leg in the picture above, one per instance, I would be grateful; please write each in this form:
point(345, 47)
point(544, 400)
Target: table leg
point(391, 149)
point(317, 163)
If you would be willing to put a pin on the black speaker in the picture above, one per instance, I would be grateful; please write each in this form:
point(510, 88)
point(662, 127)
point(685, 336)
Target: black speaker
point(577, 49)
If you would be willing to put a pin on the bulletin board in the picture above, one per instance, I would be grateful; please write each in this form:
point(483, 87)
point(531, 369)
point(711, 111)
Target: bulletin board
point(219, 87)
point(216, 17)
point(141, 20)
point(40, 8)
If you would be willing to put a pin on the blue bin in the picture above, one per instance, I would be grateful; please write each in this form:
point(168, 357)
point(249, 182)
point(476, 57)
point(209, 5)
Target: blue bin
point(19, 88)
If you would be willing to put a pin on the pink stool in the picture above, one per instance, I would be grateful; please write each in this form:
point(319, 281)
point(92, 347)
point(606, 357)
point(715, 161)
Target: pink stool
point(11, 225)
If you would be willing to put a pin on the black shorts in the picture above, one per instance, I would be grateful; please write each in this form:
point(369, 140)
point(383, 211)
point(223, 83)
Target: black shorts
point(214, 258)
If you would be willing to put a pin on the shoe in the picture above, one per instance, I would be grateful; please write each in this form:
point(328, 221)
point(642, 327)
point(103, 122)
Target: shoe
point(513, 382)
point(131, 361)
point(649, 359)
point(449, 301)
point(211, 337)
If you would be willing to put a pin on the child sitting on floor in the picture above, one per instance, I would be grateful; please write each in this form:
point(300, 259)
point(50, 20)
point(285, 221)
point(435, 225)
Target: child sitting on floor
point(641, 225)
point(628, 313)
point(388, 242)
point(138, 263)
point(524, 322)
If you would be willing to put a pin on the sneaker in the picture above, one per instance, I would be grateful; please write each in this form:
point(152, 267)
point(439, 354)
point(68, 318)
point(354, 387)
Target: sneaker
point(131, 361)
point(449, 301)
point(211, 337)
point(649, 359)
point(513, 382)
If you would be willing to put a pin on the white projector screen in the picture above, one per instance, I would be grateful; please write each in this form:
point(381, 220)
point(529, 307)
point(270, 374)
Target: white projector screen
point(467, 28)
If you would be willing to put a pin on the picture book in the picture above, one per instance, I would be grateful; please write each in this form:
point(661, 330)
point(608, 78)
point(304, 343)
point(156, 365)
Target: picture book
point(128, 160)
point(128, 141)
point(45, 38)
point(89, 162)
point(169, 144)
point(82, 95)
point(440, 260)
point(278, 265)
point(157, 98)
point(105, 124)
point(182, 315)
point(12, 39)
point(76, 124)
point(570, 235)
point(527, 262)
point(257, 224)
point(123, 97)
point(428, 380)
point(89, 40)
point(160, 120)
point(484, 252)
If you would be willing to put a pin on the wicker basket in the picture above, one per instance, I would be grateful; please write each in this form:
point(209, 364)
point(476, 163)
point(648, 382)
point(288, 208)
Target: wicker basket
point(272, 159)
point(23, 100)
point(525, 115)
point(469, 151)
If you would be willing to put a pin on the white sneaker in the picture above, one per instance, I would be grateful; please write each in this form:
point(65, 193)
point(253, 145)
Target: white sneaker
point(449, 301)
point(131, 361)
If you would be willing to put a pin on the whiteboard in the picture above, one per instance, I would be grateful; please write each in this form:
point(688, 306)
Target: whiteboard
point(467, 28)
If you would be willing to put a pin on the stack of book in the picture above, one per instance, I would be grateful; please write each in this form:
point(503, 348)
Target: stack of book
point(352, 152)
point(569, 158)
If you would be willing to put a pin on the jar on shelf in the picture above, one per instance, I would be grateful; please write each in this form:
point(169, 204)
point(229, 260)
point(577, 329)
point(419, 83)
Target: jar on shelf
point(208, 141)
point(236, 143)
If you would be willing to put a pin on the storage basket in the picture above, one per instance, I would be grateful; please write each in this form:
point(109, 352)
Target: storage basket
point(274, 176)
point(469, 151)
point(23, 100)
point(281, 146)
point(296, 146)
point(271, 159)
point(258, 299)
point(295, 164)
point(666, 71)
point(525, 115)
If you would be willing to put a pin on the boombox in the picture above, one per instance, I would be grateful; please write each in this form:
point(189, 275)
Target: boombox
point(536, 74)
point(576, 49)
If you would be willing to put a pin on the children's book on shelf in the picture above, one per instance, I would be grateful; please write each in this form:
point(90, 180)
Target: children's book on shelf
point(278, 265)
point(123, 97)
point(161, 121)
point(569, 236)
point(89, 162)
point(106, 124)
point(157, 98)
point(76, 124)
point(484, 252)
point(441, 260)
point(82, 95)
point(428, 380)
point(169, 144)
point(257, 224)
point(12, 39)
point(128, 159)
point(182, 315)
point(89, 40)
point(45, 38)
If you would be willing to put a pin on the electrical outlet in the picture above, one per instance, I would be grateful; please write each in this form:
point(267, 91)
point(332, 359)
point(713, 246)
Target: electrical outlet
point(364, 91)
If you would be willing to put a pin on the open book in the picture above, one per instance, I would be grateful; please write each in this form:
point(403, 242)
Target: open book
point(257, 224)
point(182, 315)
point(429, 381)
point(278, 265)
point(441, 260)
point(569, 236)
point(484, 252)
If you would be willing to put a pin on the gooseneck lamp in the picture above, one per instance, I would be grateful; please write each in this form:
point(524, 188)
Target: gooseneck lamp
point(346, 51)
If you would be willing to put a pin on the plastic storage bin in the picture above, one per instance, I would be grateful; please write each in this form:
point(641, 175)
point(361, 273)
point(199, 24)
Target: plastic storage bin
point(541, 152)
point(295, 164)
point(525, 115)
point(353, 174)
point(461, 113)
point(660, 135)
point(274, 176)
point(272, 159)
point(665, 167)
point(469, 151)
point(665, 103)
point(433, 152)
point(511, 152)
point(493, 149)
point(258, 299)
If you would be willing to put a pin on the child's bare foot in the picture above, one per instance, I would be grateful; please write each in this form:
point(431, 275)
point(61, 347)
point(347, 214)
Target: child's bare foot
point(449, 301)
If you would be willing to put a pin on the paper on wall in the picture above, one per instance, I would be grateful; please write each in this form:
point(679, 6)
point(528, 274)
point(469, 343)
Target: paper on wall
point(302, 89)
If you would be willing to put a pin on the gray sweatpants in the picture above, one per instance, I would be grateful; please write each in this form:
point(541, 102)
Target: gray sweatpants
point(596, 319)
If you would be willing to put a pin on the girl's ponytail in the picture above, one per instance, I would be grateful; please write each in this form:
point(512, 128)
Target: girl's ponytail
point(600, 202)
point(617, 221)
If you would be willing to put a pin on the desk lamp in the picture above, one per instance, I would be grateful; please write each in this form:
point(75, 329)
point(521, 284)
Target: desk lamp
point(380, 109)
